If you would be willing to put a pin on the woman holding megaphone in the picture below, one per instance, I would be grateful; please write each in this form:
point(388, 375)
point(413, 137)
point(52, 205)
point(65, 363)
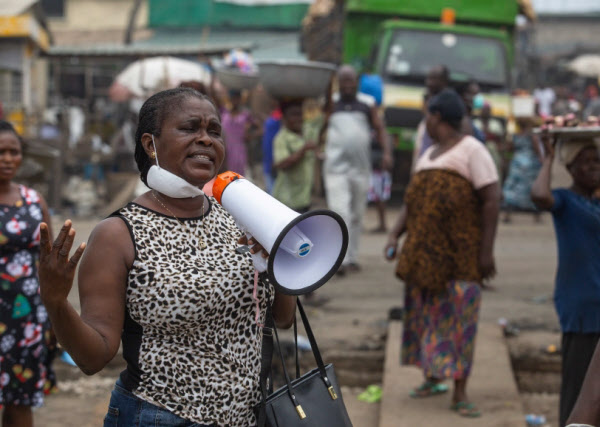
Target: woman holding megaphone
point(164, 275)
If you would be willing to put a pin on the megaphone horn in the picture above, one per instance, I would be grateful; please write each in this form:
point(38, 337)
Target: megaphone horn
point(305, 249)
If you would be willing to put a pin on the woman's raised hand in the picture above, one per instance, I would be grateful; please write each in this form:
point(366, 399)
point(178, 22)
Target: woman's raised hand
point(56, 270)
point(548, 141)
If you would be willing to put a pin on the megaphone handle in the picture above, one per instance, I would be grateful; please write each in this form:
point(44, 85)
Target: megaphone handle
point(260, 263)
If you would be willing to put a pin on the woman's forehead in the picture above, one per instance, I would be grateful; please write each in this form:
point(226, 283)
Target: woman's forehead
point(189, 107)
point(9, 137)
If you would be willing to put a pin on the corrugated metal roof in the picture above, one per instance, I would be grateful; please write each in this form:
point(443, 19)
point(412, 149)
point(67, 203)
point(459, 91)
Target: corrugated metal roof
point(266, 45)
point(15, 7)
point(105, 50)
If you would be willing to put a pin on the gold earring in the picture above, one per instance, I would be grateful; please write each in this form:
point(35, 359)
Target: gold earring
point(152, 155)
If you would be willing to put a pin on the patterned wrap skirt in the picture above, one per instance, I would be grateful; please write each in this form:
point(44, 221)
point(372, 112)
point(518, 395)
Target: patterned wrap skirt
point(440, 328)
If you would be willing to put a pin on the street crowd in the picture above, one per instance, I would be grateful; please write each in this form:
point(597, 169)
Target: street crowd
point(162, 277)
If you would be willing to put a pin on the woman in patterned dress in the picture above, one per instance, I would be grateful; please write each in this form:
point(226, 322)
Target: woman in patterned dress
point(523, 169)
point(449, 217)
point(26, 342)
point(163, 275)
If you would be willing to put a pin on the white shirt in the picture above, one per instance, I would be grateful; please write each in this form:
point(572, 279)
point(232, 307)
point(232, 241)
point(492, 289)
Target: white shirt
point(545, 98)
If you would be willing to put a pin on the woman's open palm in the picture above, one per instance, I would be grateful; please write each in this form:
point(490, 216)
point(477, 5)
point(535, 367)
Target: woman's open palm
point(56, 270)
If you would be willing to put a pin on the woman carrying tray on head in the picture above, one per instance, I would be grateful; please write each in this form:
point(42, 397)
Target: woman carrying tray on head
point(239, 126)
point(576, 215)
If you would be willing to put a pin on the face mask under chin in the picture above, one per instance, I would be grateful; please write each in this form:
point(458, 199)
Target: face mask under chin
point(171, 185)
point(168, 183)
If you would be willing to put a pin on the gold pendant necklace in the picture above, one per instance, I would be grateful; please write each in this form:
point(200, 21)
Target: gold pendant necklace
point(202, 243)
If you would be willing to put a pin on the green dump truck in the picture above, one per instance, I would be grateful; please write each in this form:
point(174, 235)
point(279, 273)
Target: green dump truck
point(401, 40)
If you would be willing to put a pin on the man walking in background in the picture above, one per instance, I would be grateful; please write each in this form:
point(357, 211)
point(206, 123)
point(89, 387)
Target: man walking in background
point(350, 123)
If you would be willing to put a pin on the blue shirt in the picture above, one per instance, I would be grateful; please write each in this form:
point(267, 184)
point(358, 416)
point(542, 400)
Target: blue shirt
point(577, 293)
point(270, 129)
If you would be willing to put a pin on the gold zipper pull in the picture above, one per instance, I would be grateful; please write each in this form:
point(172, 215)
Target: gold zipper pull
point(300, 412)
point(332, 392)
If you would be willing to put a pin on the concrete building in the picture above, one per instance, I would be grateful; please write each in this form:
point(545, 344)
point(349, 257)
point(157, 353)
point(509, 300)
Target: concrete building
point(24, 37)
point(566, 27)
point(81, 27)
point(84, 22)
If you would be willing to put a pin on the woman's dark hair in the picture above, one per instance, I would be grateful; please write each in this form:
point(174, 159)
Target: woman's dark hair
point(450, 107)
point(8, 127)
point(151, 117)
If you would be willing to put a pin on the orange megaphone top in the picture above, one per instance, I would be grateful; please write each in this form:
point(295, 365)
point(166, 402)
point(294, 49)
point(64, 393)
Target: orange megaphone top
point(223, 180)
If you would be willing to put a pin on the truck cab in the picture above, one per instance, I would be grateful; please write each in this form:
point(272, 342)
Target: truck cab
point(402, 40)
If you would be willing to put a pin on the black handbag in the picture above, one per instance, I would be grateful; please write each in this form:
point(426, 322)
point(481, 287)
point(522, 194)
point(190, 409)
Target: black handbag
point(313, 399)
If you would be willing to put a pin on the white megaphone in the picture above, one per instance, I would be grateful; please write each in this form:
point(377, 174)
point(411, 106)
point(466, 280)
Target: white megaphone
point(305, 250)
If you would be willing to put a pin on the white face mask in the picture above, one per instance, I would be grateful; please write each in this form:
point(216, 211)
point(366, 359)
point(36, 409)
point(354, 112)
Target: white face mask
point(168, 183)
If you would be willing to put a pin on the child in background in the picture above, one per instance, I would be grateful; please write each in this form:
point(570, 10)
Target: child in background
point(270, 129)
point(294, 159)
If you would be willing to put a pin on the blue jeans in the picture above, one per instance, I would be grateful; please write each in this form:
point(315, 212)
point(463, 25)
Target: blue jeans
point(127, 410)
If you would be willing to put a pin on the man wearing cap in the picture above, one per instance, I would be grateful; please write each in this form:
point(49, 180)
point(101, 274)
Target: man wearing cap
point(576, 215)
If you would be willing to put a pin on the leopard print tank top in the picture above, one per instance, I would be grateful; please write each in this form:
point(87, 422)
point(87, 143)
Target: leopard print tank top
point(191, 339)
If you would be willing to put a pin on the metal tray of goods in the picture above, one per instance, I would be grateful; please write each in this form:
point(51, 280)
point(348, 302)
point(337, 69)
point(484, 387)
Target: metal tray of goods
point(236, 80)
point(567, 133)
point(295, 79)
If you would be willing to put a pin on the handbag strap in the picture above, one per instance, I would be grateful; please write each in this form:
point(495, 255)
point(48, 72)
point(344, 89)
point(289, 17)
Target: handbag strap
point(290, 390)
point(266, 386)
point(315, 351)
point(313, 342)
point(296, 347)
point(268, 345)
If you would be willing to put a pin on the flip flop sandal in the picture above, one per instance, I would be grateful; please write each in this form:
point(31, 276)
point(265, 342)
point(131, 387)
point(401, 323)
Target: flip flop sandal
point(466, 409)
point(428, 389)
